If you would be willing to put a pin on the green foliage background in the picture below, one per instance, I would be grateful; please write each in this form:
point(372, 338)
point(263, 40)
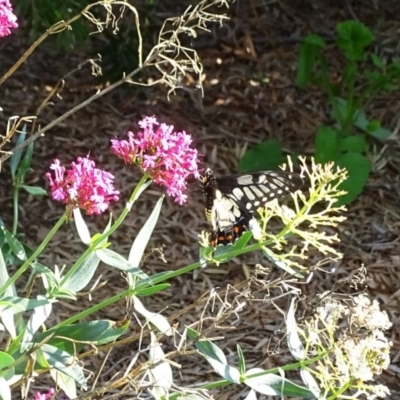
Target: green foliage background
point(118, 52)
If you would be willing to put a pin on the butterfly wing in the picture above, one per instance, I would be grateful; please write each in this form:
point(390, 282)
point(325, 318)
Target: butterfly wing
point(254, 190)
point(231, 200)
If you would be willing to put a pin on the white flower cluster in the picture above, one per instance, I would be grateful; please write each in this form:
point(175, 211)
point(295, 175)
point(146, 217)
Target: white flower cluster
point(352, 338)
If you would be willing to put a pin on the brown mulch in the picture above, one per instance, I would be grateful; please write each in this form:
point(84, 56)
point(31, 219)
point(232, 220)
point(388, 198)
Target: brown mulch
point(238, 110)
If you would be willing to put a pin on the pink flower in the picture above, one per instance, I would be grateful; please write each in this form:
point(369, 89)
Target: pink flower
point(48, 396)
point(7, 18)
point(83, 186)
point(163, 154)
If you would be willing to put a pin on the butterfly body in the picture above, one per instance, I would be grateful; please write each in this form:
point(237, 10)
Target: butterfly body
point(232, 200)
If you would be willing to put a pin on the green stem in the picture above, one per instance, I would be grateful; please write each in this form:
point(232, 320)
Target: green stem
point(164, 276)
point(15, 206)
point(37, 252)
point(95, 308)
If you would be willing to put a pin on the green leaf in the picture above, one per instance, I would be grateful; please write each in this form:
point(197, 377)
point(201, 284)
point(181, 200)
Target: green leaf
point(66, 384)
point(216, 357)
point(36, 320)
point(359, 168)
point(310, 382)
point(160, 373)
point(274, 385)
point(65, 363)
point(15, 245)
point(353, 144)
point(373, 128)
point(377, 61)
point(373, 125)
point(72, 338)
point(264, 156)
point(10, 291)
point(16, 157)
point(5, 361)
point(81, 227)
point(326, 144)
point(140, 243)
point(17, 305)
point(350, 74)
point(309, 52)
point(241, 360)
point(295, 345)
point(156, 319)
point(152, 290)
point(25, 165)
point(48, 277)
point(352, 38)
point(34, 190)
point(191, 333)
point(82, 276)
point(115, 260)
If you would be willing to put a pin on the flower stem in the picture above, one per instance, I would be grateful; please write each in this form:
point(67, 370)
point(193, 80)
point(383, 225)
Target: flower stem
point(15, 206)
point(37, 252)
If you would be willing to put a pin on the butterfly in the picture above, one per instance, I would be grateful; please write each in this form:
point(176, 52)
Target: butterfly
point(231, 201)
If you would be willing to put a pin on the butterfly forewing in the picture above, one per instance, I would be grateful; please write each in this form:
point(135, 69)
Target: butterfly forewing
point(254, 190)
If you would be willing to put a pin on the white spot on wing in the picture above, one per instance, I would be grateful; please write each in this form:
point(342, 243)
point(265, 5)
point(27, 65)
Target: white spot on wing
point(257, 191)
point(249, 193)
point(238, 193)
point(245, 179)
point(262, 178)
point(267, 189)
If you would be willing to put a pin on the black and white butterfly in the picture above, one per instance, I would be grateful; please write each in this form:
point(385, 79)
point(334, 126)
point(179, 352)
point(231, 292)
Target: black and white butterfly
point(232, 200)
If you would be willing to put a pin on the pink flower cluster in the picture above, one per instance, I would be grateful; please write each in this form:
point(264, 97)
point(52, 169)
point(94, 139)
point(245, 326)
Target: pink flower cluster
point(83, 186)
point(7, 18)
point(47, 396)
point(163, 154)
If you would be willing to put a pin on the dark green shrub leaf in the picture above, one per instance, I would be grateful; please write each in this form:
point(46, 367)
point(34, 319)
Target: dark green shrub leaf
point(264, 156)
point(377, 61)
point(326, 144)
point(309, 51)
point(353, 144)
point(373, 125)
point(359, 168)
point(373, 128)
point(352, 38)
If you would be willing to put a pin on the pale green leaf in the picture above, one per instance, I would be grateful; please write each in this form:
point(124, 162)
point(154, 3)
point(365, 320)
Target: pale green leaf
point(160, 322)
point(160, 374)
